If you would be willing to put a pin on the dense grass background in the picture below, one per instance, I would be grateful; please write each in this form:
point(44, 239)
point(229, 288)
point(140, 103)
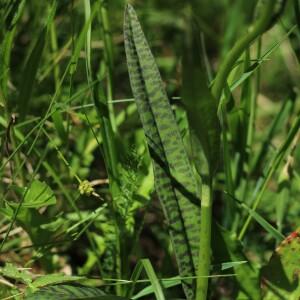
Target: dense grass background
point(77, 186)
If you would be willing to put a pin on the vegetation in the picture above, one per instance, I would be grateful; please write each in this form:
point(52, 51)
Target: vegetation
point(149, 150)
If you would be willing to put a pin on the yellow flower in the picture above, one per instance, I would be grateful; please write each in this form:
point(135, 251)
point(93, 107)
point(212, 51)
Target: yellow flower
point(85, 188)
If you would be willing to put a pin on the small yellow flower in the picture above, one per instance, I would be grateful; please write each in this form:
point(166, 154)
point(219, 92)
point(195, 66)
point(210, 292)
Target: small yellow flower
point(85, 188)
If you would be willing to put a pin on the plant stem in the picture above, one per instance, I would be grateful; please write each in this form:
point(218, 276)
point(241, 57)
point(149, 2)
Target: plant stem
point(259, 27)
point(205, 241)
point(109, 60)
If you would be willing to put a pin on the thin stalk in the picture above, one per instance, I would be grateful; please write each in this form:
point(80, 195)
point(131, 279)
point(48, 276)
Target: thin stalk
point(229, 182)
point(108, 53)
point(54, 46)
point(253, 106)
point(271, 170)
point(57, 116)
point(204, 258)
point(243, 43)
point(250, 129)
point(18, 158)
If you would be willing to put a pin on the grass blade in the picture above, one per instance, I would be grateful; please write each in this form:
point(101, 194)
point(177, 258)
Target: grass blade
point(153, 279)
point(31, 68)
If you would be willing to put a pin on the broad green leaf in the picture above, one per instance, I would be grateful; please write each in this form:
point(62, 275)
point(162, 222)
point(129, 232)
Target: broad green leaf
point(175, 182)
point(38, 194)
point(201, 106)
point(69, 292)
point(280, 278)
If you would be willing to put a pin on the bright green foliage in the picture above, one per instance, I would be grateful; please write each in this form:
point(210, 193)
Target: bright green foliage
point(129, 201)
point(38, 194)
point(69, 292)
point(174, 180)
point(280, 278)
point(12, 272)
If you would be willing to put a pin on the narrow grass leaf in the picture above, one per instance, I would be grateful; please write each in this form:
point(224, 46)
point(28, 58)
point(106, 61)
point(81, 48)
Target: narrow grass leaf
point(29, 74)
point(31, 68)
point(174, 281)
point(134, 277)
point(260, 220)
point(153, 279)
point(7, 44)
point(264, 223)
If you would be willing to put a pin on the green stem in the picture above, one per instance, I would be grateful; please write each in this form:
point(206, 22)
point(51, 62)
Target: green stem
point(259, 27)
point(205, 241)
point(109, 60)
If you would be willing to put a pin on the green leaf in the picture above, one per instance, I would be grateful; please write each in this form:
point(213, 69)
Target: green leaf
point(200, 104)
point(11, 271)
point(69, 292)
point(280, 278)
point(264, 223)
point(39, 194)
point(175, 182)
